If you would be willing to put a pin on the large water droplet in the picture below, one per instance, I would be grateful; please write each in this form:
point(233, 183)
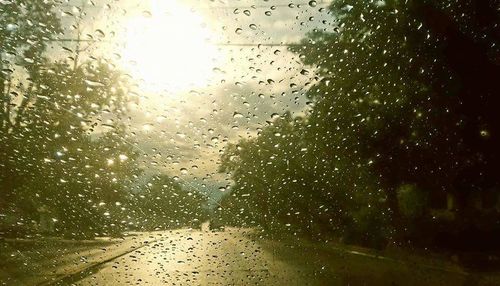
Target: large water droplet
point(100, 33)
point(93, 83)
point(237, 115)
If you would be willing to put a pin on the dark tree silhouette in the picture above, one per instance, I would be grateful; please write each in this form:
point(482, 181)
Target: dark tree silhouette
point(404, 112)
point(56, 153)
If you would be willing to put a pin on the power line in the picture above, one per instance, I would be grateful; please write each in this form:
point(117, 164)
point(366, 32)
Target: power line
point(73, 40)
point(263, 44)
point(290, 5)
point(216, 44)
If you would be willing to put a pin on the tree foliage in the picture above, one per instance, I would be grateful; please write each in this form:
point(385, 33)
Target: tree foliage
point(165, 204)
point(61, 148)
point(395, 106)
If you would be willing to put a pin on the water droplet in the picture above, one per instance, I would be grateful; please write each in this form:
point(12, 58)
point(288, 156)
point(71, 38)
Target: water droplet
point(275, 115)
point(100, 33)
point(485, 133)
point(253, 26)
point(93, 83)
point(238, 31)
point(313, 3)
point(247, 12)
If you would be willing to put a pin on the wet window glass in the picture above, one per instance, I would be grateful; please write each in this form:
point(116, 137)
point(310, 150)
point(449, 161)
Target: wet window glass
point(249, 142)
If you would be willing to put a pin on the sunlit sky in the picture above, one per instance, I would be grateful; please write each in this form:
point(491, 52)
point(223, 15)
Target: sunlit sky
point(202, 78)
point(170, 48)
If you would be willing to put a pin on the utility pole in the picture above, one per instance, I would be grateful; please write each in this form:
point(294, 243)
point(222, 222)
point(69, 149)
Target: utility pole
point(78, 26)
point(78, 36)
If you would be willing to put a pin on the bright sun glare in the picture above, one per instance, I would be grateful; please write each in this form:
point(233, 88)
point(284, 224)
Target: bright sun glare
point(169, 50)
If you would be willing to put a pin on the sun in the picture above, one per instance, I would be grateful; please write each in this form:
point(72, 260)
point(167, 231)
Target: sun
point(170, 48)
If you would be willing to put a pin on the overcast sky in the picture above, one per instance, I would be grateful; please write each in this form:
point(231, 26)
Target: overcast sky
point(183, 131)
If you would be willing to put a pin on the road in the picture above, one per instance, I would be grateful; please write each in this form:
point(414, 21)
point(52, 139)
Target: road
point(233, 257)
point(197, 258)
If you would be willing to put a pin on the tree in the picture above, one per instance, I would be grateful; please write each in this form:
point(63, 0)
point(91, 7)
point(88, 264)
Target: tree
point(60, 161)
point(394, 107)
point(25, 27)
point(283, 183)
point(391, 89)
point(165, 204)
point(50, 154)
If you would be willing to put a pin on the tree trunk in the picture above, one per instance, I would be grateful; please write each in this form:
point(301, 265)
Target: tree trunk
point(395, 215)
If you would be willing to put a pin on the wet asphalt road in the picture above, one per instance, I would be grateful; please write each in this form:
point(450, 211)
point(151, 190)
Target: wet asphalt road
point(197, 258)
point(188, 257)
